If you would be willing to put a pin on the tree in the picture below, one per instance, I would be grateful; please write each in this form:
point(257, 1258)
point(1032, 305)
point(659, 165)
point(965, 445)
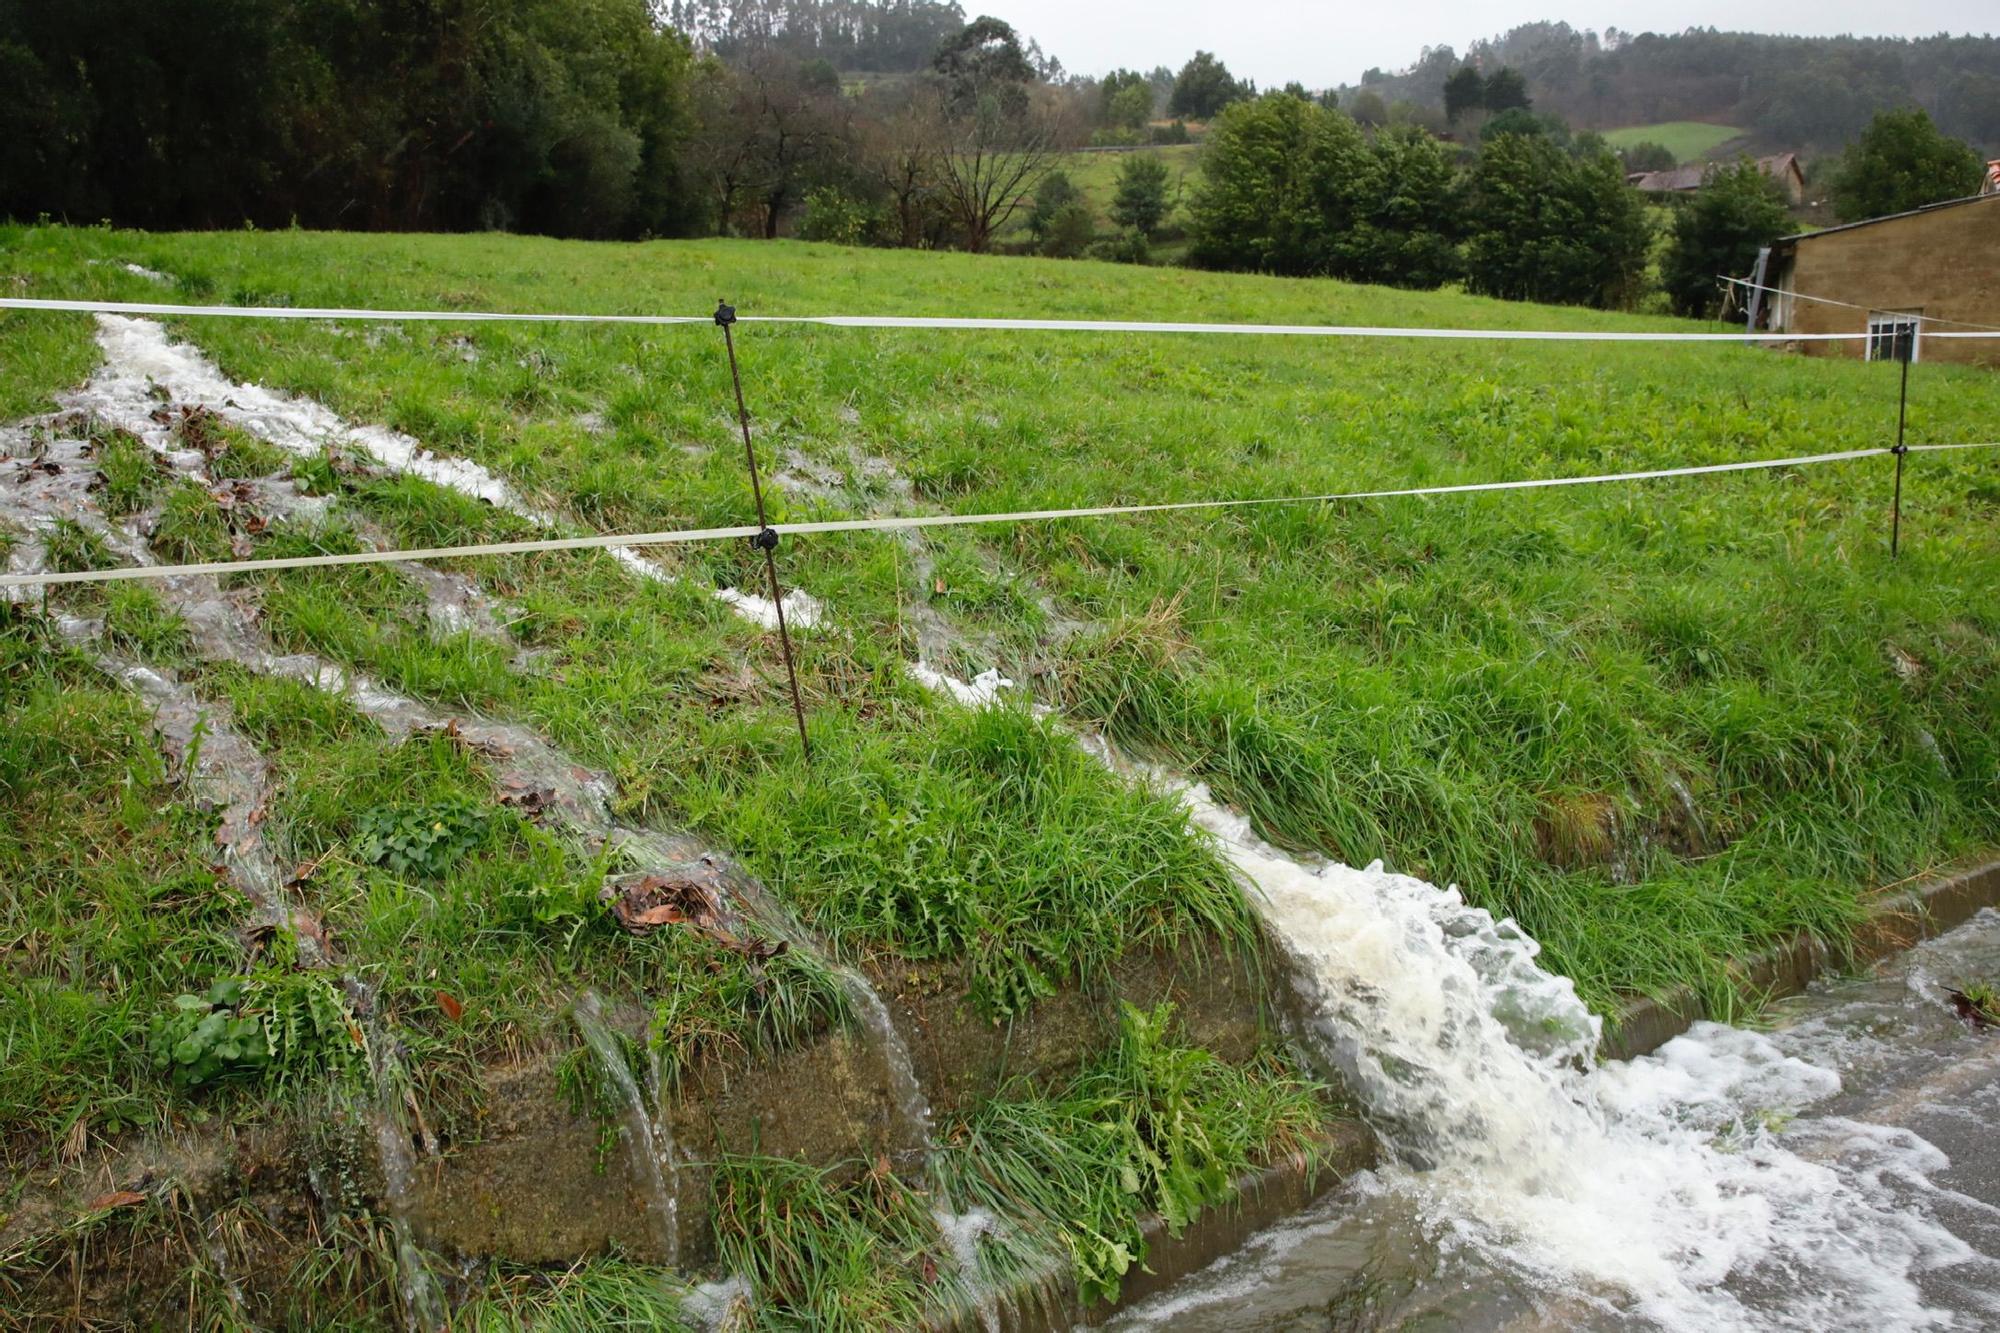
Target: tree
point(1648, 156)
point(1203, 88)
point(1410, 216)
point(1141, 202)
point(1902, 162)
point(1070, 231)
point(984, 60)
point(1368, 108)
point(1125, 100)
point(1717, 234)
point(898, 153)
point(1506, 90)
point(1547, 225)
point(996, 140)
point(1055, 193)
point(1464, 92)
point(1130, 109)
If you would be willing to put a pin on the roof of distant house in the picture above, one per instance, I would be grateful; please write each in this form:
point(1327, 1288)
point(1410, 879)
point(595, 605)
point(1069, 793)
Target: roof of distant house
point(1681, 179)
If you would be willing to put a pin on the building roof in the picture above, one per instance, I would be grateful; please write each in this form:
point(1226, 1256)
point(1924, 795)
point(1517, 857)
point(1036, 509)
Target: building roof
point(1681, 179)
point(1889, 217)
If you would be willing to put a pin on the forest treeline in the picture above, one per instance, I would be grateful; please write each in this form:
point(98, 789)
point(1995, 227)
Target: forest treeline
point(1796, 93)
point(894, 122)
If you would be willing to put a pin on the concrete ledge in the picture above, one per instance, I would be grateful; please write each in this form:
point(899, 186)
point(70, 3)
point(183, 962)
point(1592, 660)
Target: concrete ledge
point(1264, 1196)
point(1901, 916)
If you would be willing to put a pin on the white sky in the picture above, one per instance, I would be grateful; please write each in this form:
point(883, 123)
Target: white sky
point(1273, 41)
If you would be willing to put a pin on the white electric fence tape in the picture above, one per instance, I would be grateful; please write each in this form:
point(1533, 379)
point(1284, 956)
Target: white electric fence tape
point(921, 322)
point(902, 524)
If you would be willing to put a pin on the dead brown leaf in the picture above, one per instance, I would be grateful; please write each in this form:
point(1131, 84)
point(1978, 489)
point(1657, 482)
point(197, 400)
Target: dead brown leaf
point(117, 1199)
point(449, 1003)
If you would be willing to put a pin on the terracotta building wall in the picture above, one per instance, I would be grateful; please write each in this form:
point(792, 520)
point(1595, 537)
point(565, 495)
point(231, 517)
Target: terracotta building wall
point(1944, 263)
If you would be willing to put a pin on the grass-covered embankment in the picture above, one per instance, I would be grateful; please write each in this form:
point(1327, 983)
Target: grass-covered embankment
point(1506, 691)
point(1662, 724)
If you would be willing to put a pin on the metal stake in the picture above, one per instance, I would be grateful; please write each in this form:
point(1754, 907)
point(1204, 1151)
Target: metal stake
point(1902, 451)
point(767, 539)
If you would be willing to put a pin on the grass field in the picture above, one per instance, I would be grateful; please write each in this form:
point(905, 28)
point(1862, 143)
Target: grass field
point(1662, 724)
point(1096, 175)
point(1687, 140)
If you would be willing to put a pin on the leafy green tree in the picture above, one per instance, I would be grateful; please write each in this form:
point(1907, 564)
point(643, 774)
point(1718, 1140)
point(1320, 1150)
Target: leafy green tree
point(1291, 187)
point(1464, 93)
point(1275, 176)
point(1718, 233)
point(1125, 100)
point(1141, 202)
point(1410, 218)
point(1054, 194)
point(1131, 108)
point(1070, 231)
point(1203, 88)
point(1368, 108)
point(1547, 225)
point(1901, 162)
point(1507, 90)
point(1648, 156)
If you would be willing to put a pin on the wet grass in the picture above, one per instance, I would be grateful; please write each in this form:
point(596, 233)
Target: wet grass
point(1444, 684)
point(108, 906)
point(1153, 1126)
point(1661, 724)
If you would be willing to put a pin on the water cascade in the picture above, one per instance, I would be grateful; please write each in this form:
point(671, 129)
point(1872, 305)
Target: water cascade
point(1660, 1190)
point(649, 1142)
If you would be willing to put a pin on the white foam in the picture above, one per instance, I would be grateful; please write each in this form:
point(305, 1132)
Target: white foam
point(1675, 1189)
point(982, 691)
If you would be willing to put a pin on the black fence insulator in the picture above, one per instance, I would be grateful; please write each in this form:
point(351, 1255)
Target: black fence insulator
point(766, 539)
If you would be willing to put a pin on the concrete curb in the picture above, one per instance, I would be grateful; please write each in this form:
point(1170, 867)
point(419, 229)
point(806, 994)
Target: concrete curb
point(1902, 916)
point(1264, 1196)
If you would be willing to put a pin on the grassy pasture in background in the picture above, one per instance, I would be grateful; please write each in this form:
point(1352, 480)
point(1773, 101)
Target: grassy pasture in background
point(1687, 140)
point(1527, 694)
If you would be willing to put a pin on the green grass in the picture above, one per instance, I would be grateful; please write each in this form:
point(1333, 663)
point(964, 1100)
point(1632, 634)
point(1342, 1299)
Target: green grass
point(1687, 140)
point(1153, 1126)
point(1095, 175)
point(108, 907)
point(1420, 680)
point(1523, 693)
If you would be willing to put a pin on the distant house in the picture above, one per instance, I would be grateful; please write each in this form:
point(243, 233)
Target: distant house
point(1780, 167)
point(1900, 279)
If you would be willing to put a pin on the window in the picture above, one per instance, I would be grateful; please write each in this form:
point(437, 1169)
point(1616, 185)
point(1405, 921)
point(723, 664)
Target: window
point(1893, 338)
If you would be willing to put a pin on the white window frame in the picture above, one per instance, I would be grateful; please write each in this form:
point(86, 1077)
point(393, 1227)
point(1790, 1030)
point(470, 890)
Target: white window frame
point(1885, 331)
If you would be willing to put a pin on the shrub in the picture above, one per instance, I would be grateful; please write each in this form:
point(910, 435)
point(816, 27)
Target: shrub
point(1548, 225)
point(832, 215)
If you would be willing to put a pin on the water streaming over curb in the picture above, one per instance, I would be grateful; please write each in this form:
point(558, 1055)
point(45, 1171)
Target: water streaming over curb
point(1659, 1191)
point(649, 1141)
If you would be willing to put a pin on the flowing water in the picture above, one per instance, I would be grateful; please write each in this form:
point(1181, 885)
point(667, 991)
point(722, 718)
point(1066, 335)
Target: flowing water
point(1728, 1181)
point(649, 1142)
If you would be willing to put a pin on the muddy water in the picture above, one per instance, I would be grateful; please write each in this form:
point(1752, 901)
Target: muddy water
point(1849, 1147)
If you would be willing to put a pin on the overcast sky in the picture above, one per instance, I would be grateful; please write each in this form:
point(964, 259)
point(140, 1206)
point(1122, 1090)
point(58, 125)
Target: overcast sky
point(1319, 44)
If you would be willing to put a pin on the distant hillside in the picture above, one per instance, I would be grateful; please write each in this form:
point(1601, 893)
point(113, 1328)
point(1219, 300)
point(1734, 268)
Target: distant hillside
point(1790, 92)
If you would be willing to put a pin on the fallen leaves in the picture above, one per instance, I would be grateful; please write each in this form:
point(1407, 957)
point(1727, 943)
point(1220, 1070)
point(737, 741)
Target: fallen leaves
point(644, 903)
point(116, 1199)
point(450, 1004)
